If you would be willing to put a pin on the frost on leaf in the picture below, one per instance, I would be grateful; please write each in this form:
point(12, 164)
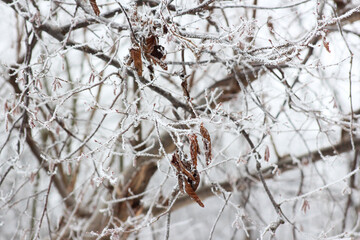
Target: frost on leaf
point(154, 52)
point(194, 149)
point(151, 50)
point(191, 192)
point(207, 143)
point(187, 175)
point(135, 54)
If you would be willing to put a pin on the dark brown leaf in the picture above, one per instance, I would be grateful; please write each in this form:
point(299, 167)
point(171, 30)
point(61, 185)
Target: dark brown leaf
point(158, 52)
point(180, 168)
point(135, 54)
point(150, 43)
point(175, 161)
point(190, 191)
point(194, 149)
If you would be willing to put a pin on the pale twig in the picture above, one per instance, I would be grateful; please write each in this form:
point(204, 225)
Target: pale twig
point(319, 189)
point(224, 6)
point(37, 233)
point(198, 8)
point(218, 216)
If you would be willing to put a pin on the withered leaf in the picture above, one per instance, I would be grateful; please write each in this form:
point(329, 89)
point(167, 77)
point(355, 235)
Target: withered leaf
point(187, 173)
point(180, 168)
point(95, 7)
point(175, 161)
point(158, 52)
point(326, 45)
point(207, 143)
point(150, 43)
point(190, 191)
point(194, 149)
point(135, 54)
point(157, 55)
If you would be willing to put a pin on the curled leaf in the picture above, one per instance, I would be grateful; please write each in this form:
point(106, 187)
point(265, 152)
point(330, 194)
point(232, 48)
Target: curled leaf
point(157, 56)
point(207, 143)
point(187, 174)
point(175, 161)
point(190, 191)
point(180, 168)
point(326, 45)
point(158, 52)
point(150, 43)
point(194, 149)
point(135, 54)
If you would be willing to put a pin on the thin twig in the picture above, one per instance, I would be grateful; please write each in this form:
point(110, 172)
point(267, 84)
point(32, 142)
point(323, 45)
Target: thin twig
point(37, 233)
point(218, 217)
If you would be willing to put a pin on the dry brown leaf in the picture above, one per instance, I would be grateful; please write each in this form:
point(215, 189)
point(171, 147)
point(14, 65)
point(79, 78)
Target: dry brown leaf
point(158, 52)
point(194, 149)
point(150, 43)
point(190, 191)
point(135, 54)
point(153, 52)
point(95, 7)
point(187, 174)
point(326, 45)
point(175, 161)
point(207, 143)
point(180, 168)
point(157, 55)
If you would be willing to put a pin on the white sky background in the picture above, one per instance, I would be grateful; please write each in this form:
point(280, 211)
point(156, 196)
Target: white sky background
point(324, 96)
